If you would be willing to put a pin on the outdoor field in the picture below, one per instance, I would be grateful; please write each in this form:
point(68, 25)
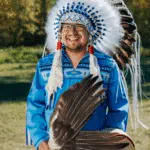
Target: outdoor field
point(16, 72)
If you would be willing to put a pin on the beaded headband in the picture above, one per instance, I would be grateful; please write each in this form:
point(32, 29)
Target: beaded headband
point(78, 19)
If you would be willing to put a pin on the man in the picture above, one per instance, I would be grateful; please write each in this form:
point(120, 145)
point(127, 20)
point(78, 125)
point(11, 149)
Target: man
point(77, 27)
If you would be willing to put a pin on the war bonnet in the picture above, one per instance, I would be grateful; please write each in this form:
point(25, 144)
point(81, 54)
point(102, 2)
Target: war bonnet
point(101, 20)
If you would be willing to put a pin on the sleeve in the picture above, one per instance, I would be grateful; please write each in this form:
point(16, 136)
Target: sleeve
point(36, 127)
point(117, 116)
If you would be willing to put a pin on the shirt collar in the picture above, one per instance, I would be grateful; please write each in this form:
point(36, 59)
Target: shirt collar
point(84, 59)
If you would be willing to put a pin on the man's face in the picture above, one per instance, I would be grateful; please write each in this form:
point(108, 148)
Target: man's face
point(74, 36)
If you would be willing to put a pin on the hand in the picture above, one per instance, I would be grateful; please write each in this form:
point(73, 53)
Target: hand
point(44, 146)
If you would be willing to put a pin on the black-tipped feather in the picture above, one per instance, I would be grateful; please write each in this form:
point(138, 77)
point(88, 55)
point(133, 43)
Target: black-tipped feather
point(94, 140)
point(129, 26)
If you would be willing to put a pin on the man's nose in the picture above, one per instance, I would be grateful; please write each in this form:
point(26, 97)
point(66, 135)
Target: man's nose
point(73, 30)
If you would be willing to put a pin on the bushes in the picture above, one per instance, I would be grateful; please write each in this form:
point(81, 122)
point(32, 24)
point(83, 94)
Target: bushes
point(20, 55)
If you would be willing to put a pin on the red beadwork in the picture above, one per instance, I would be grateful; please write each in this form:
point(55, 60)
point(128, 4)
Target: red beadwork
point(91, 49)
point(59, 45)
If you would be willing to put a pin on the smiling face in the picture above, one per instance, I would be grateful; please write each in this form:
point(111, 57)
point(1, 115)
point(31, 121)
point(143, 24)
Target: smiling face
point(75, 37)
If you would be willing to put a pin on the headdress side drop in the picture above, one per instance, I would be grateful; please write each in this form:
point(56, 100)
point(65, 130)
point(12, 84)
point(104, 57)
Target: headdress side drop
point(128, 57)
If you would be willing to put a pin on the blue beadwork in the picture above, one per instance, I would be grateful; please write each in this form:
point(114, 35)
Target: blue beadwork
point(99, 41)
point(98, 20)
point(89, 11)
point(99, 28)
point(92, 14)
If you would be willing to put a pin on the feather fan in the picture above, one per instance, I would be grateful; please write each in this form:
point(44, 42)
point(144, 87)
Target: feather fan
point(72, 111)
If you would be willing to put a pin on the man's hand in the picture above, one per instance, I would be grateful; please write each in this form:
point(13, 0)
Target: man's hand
point(44, 146)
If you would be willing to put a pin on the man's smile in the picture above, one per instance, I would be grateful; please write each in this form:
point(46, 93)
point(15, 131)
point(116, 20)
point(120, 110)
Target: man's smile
point(73, 39)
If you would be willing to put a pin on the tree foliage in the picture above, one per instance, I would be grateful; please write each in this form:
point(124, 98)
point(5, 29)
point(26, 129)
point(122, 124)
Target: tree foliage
point(141, 10)
point(23, 21)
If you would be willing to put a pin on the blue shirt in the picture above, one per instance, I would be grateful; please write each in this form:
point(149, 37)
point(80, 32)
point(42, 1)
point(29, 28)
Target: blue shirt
point(112, 113)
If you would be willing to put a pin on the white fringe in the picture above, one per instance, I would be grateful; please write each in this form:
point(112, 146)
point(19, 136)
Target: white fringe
point(28, 137)
point(135, 71)
point(56, 76)
point(44, 50)
point(126, 88)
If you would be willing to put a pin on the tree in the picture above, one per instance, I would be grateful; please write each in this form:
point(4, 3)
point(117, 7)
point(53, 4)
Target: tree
point(141, 11)
point(22, 21)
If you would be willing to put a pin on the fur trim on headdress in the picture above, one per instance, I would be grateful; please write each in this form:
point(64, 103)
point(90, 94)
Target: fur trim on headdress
point(56, 76)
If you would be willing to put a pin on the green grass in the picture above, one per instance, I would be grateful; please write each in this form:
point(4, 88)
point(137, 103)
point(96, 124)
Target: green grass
point(15, 82)
point(12, 127)
point(141, 136)
point(20, 54)
point(17, 73)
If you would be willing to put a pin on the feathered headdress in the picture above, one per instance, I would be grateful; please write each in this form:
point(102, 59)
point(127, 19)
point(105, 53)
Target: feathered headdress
point(101, 20)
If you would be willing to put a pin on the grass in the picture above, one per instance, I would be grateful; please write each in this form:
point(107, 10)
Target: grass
point(15, 81)
point(141, 136)
point(20, 54)
point(12, 127)
point(17, 73)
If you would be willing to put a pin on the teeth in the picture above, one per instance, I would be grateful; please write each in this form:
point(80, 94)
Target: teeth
point(74, 39)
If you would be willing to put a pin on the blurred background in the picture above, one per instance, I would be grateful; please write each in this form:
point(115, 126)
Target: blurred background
point(22, 40)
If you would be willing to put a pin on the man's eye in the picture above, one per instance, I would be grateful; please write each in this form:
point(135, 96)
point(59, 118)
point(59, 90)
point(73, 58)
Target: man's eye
point(79, 27)
point(67, 27)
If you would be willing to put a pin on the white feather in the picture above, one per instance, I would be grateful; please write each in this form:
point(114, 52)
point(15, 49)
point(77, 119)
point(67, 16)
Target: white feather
point(52, 143)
